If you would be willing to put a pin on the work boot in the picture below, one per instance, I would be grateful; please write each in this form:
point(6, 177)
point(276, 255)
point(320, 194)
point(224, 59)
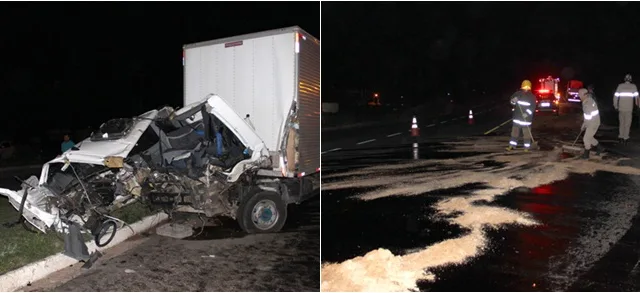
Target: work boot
point(620, 140)
point(585, 155)
point(626, 141)
point(510, 148)
point(599, 149)
point(526, 150)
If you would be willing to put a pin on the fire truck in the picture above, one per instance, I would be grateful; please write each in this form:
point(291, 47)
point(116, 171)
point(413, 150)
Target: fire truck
point(572, 91)
point(549, 85)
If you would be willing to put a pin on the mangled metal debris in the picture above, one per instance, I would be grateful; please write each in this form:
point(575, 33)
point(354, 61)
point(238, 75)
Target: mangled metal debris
point(164, 158)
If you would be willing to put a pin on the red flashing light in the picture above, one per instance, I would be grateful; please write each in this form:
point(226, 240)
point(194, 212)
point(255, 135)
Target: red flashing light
point(543, 91)
point(544, 189)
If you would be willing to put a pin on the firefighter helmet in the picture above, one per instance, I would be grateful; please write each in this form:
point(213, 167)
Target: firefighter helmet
point(627, 78)
point(526, 85)
point(582, 92)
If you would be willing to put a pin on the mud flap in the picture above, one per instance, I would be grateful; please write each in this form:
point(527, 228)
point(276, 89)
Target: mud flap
point(74, 245)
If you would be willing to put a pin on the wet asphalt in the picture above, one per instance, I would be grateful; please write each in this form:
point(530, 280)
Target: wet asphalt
point(589, 239)
point(397, 132)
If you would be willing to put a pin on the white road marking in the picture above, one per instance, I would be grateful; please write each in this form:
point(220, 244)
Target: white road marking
point(431, 125)
point(366, 141)
point(443, 122)
point(392, 135)
point(332, 150)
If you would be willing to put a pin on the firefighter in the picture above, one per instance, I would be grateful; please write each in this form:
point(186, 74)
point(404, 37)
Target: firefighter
point(524, 103)
point(623, 101)
point(590, 124)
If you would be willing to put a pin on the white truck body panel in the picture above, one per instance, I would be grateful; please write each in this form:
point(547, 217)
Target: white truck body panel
point(255, 78)
point(263, 75)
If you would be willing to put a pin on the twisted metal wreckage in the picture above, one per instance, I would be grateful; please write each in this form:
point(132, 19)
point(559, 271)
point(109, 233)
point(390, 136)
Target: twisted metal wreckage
point(167, 158)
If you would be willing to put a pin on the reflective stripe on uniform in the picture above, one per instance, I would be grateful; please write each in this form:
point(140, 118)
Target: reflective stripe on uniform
point(524, 123)
point(524, 103)
point(529, 111)
point(526, 145)
point(626, 94)
point(513, 143)
point(591, 115)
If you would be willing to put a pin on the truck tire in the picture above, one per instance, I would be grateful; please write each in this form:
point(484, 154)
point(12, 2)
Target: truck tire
point(263, 212)
point(103, 230)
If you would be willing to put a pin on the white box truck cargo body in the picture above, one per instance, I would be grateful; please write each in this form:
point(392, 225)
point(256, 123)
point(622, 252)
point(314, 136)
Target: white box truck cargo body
point(272, 76)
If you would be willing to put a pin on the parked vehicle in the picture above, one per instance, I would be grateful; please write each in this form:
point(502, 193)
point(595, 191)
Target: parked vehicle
point(547, 102)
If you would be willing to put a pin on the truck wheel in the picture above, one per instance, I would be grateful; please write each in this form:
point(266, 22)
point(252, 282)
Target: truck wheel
point(107, 228)
point(263, 212)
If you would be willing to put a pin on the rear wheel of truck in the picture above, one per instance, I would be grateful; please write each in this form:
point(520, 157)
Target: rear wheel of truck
point(263, 212)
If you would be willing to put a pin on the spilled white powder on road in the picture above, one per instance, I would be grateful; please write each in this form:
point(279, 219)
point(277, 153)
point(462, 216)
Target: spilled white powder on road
point(380, 270)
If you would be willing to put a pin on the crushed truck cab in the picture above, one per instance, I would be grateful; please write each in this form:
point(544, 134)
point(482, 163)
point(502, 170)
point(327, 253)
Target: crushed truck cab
point(245, 148)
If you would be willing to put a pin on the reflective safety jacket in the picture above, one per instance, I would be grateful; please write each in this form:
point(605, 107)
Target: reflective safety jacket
point(590, 110)
point(625, 96)
point(524, 104)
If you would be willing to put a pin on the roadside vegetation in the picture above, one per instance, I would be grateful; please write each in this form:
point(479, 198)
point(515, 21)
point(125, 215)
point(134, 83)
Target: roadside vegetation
point(19, 247)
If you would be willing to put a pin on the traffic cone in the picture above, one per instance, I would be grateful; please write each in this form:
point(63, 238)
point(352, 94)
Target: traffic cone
point(470, 117)
point(415, 131)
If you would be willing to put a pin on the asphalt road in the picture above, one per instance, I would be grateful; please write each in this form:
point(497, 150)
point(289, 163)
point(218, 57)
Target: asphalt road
point(394, 131)
point(587, 236)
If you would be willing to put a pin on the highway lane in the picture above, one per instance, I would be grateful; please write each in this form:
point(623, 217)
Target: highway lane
point(375, 198)
point(399, 132)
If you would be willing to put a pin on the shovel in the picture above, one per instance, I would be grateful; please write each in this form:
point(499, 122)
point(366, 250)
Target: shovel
point(572, 148)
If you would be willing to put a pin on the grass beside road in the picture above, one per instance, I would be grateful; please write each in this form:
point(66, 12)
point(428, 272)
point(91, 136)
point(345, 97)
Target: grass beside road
point(19, 247)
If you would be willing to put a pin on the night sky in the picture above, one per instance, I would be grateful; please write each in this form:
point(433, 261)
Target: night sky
point(425, 47)
point(76, 64)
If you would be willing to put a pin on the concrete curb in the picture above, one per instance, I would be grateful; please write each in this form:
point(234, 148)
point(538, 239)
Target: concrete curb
point(38, 270)
point(15, 168)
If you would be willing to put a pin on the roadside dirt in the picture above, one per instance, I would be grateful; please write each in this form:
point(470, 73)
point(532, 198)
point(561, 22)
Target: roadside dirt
point(222, 258)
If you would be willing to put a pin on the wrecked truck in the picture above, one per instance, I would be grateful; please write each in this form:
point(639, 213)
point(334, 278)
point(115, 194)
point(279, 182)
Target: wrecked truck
point(170, 160)
point(204, 158)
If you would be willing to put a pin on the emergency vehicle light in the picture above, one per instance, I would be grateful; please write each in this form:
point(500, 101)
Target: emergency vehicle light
point(543, 91)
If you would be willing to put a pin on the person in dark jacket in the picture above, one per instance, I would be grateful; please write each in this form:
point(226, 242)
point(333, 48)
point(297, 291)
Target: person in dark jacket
point(524, 103)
